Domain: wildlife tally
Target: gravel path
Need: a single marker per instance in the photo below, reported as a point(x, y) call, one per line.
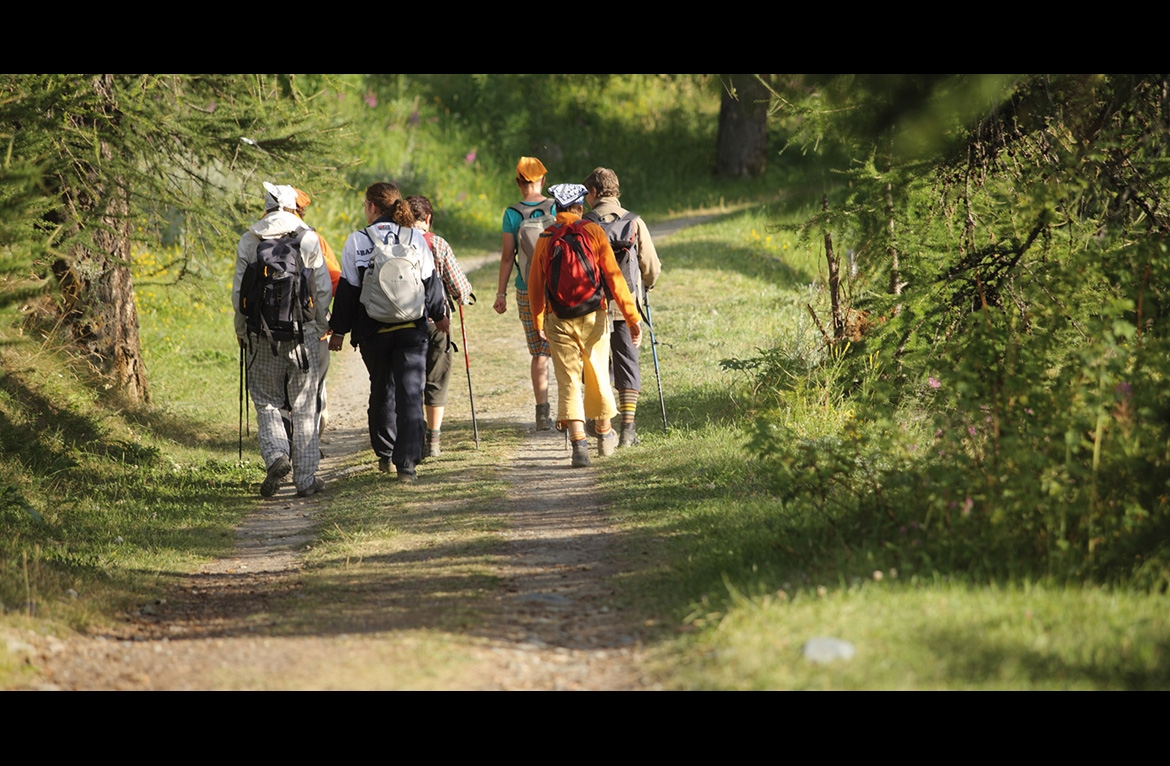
point(552, 625)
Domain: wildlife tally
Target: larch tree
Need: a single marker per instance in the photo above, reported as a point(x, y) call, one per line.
point(123, 158)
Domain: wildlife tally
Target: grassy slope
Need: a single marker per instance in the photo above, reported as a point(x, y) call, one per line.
point(734, 569)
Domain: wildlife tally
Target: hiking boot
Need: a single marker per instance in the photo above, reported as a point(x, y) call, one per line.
point(629, 437)
point(384, 465)
point(317, 485)
point(606, 443)
point(276, 473)
point(591, 428)
point(431, 446)
point(580, 454)
point(544, 421)
point(407, 476)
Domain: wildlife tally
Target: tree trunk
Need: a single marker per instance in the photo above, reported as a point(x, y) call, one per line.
point(96, 283)
point(834, 281)
point(742, 144)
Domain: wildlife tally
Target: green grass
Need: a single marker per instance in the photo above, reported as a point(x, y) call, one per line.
point(103, 506)
point(729, 566)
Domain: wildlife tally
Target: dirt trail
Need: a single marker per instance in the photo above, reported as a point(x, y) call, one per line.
point(552, 625)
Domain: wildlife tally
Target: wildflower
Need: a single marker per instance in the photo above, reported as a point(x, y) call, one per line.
point(470, 157)
point(968, 504)
point(413, 119)
point(371, 100)
point(971, 430)
point(1123, 390)
point(933, 382)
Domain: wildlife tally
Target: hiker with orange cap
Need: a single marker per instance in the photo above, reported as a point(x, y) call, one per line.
point(523, 223)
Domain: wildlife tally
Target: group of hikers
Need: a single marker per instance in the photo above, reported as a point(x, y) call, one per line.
point(579, 283)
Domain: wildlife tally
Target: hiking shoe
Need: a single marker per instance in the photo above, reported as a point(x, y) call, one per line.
point(606, 443)
point(431, 446)
point(580, 454)
point(591, 428)
point(384, 465)
point(317, 485)
point(544, 421)
point(407, 476)
point(276, 473)
point(628, 437)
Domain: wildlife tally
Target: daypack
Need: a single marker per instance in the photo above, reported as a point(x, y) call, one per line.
point(392, 286)
point(574, 285)
point(530, 230)
point(276, 292)
point(623, 238)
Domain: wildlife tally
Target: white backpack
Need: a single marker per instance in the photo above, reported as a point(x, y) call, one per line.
point(392, 287)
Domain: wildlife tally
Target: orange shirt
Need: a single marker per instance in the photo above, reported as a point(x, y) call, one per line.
point(609, 270)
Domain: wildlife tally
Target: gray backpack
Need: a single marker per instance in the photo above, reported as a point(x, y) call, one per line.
point(392, 287)
point(532, 224)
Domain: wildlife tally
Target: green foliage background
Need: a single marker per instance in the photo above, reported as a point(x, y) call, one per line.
point(1010, 396)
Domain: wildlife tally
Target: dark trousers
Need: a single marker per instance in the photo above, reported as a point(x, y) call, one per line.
point(627, 375)
point(397, 363)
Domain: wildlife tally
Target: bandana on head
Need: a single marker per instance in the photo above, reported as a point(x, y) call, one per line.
point(279, 196)
point(568, 194)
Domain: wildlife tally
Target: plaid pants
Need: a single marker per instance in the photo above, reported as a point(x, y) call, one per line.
point(276, 383)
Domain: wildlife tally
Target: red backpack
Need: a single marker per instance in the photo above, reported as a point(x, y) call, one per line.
point(573, 282)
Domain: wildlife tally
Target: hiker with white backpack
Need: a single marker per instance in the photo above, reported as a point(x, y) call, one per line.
point(440, 351)
point(281, 293)
point(387, 291)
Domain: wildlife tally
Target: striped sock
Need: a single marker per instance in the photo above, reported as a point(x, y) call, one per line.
point(628, 404)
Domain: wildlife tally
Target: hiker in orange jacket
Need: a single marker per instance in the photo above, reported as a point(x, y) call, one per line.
point(578, 336)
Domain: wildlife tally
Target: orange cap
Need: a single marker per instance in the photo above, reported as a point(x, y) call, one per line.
point(303, 199)
point(531, 169)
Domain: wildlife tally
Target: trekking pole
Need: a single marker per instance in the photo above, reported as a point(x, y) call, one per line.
point(467, 361)
point(654, 348)
point(241, 403)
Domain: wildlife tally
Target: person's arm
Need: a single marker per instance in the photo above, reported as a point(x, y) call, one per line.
point(612, 274)
point(509, 227)
point(648, 260)
point(507, 260)
point(456, 282)
point(436, 303)
point(536, 285)
point(346, 301)
point(321, 284)
point(244, 253)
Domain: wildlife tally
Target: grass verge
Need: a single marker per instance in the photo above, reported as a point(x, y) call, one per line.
point(740, 575)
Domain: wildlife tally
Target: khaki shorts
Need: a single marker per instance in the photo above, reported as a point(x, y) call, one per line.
point(536, 346)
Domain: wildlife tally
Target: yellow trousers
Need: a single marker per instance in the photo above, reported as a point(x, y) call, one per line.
point(580, 355)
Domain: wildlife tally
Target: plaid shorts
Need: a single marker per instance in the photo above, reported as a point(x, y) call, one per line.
point(536, 346)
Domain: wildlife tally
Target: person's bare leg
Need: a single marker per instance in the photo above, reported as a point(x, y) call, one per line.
point(540, 379)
